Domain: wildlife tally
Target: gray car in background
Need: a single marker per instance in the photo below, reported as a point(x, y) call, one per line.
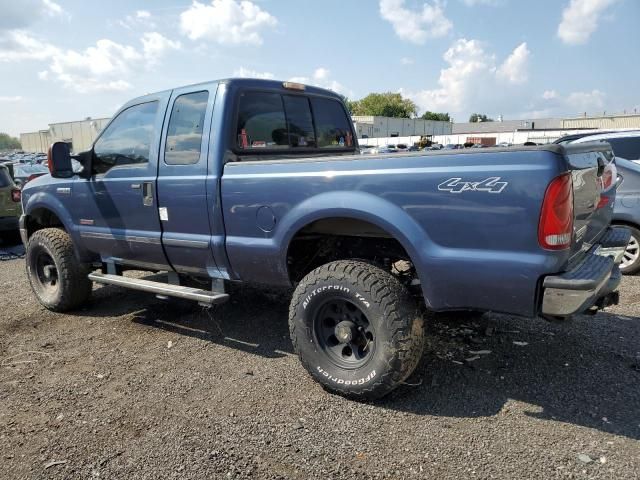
point(626, 211)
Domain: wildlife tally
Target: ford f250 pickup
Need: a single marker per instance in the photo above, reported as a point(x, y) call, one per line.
point(259, 181)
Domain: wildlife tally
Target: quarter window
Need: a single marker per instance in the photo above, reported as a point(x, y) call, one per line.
point(332, 125)
point(184, 136)
point(261, 121)
point(127, 140)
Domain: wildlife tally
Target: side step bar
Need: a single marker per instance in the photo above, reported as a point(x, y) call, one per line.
point(203, 297)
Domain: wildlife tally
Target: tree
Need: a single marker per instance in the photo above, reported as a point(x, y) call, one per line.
point(479, 117)
point(384, 104)
point(439, 117)
point(8, 142)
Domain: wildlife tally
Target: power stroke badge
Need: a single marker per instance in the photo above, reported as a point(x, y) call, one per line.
point(457, 185)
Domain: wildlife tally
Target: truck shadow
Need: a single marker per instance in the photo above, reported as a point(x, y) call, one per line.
point(585, 372)
point(253, 321)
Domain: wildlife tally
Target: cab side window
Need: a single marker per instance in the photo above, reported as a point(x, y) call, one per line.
point(184, 137)
point(127, 140)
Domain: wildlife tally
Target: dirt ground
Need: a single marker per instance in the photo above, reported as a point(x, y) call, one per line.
point(135, 387)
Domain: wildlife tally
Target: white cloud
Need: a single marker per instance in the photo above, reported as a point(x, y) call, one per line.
point(140, 19)
point(549, 94)
point(580, 19)
point(248, 73)
point(143, 14)
point(407, 61)
point(586, 101)
point(154, 46)
point(514, 69)
point(415, 26)
point(468, 64)
point(17, 45)
point(104, 66)
point(322, 78)
point(17, 98)
point(51, 8)
point(226, 22)
point(471, 81)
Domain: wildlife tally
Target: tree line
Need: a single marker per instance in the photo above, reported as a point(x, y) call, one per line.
point(7, 142)
point(391, 104)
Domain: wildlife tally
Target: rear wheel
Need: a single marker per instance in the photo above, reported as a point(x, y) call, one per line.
point(356, 329)
point(59, 281)
point(630, 263)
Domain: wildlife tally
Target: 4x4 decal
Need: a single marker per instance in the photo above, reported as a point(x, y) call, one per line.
point(457, 185)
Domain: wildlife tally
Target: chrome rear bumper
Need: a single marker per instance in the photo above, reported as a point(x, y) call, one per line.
point(590, 284)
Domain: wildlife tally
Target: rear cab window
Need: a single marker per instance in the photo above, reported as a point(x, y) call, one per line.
point(270, 122)
point(626, 147)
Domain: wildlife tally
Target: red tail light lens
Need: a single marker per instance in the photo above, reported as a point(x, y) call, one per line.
point(16, 195)
point(555, 230)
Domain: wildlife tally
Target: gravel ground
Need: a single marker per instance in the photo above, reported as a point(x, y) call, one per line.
point(134, 387)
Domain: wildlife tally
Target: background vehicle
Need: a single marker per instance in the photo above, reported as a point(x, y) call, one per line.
point(10, 208)
point(626, 212)
point(258, 181)
point(24, 173)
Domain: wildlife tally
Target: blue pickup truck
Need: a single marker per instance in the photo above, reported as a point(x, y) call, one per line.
point(260, 181)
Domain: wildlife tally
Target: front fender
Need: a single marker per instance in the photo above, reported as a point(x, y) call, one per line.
point(47, 201)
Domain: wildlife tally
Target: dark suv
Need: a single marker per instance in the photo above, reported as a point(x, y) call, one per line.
point(10, 208)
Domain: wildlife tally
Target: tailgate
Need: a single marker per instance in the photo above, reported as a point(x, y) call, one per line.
point(594, 187)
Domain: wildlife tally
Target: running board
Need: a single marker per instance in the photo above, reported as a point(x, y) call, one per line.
point(160, 288)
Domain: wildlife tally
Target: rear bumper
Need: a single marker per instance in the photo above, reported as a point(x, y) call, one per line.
point(590, 284)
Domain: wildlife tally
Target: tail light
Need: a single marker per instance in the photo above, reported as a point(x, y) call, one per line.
point(555, 229)
point(16, 195)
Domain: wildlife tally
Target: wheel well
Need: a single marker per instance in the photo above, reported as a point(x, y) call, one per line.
point(341, 238)
point(41, 218)
point(624, 223)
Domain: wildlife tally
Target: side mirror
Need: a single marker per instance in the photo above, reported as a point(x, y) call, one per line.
point(59, 160)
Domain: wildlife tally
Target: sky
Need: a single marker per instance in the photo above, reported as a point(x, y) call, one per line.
point(64, 60)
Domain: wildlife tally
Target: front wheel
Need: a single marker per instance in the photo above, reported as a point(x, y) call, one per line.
point(356, 329)
point(630, 263)
point(59, 281)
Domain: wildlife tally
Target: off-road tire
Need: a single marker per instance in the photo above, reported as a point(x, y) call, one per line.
point(399, 339)
point(73, 285)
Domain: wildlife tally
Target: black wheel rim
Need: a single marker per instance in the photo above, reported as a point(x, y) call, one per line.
point(46, 273)
point(344, 333)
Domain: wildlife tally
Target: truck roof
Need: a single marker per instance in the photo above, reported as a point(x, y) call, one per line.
point(251, 83)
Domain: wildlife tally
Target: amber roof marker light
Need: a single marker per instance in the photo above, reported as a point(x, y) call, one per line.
point(293, 85)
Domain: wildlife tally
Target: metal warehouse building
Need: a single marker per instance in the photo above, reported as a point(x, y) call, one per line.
point(80, 135)
point(374, 127)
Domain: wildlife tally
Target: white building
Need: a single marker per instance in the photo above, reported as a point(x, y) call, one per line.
point(374, 127)
point(80, 135)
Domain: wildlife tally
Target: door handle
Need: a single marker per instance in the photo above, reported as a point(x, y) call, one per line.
point(147, 194)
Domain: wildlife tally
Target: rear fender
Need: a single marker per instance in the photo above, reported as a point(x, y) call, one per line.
point(46, 201)
point(360, 206)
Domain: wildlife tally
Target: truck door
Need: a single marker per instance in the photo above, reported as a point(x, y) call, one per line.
point(184, 202)
point(119, 207)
